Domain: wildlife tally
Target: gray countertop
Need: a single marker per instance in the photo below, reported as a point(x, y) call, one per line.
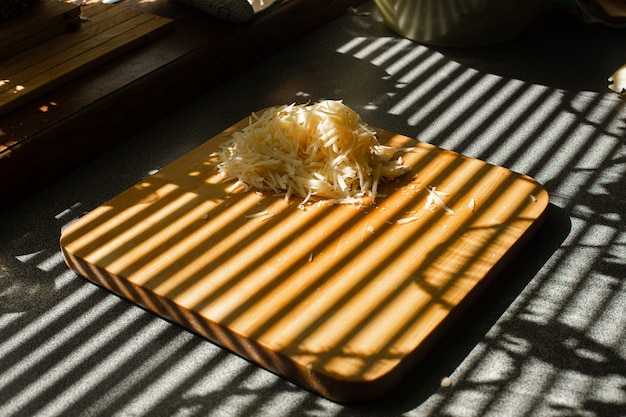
point(548, 338)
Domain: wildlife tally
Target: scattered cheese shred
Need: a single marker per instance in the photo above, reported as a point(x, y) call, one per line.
point(406, 220)
point(322, 150)
point(258, 214)
point(434, 198)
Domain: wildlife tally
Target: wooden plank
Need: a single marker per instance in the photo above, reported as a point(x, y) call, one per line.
point(115, 30)
point(102, 19)
point(43, 20)
point(341, 300)
point(90, 52)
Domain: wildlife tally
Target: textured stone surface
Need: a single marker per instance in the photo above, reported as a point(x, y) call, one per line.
point(547, 339)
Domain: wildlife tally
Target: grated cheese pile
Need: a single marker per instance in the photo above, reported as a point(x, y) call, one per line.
point(322, 149)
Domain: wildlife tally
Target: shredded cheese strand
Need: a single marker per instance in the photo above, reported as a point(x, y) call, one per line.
point(323, 150)
point(435, 199)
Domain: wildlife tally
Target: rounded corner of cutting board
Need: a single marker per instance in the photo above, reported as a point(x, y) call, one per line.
point(66, 233)
point(65, 239)
point(541, 198)
point(351, 391)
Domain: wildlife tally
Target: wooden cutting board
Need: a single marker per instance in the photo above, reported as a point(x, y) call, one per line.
point(339, 299)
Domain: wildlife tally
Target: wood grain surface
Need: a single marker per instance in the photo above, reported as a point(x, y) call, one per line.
point(342, 300)
point(43, 20)
point(110, 31)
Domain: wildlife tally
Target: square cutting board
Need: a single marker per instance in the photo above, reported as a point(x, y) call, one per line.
point(339, 299)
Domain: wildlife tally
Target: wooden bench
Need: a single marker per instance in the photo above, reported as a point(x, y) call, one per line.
point(47, 136)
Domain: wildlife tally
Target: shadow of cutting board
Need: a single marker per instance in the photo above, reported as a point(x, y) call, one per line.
point(339, 299)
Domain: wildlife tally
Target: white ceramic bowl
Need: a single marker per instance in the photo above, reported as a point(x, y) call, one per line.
point(458, 22)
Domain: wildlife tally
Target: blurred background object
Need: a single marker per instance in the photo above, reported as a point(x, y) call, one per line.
point(609, 12)
point(463, 23)
point(458, 22)
point(239, 11)
point(617, 81)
